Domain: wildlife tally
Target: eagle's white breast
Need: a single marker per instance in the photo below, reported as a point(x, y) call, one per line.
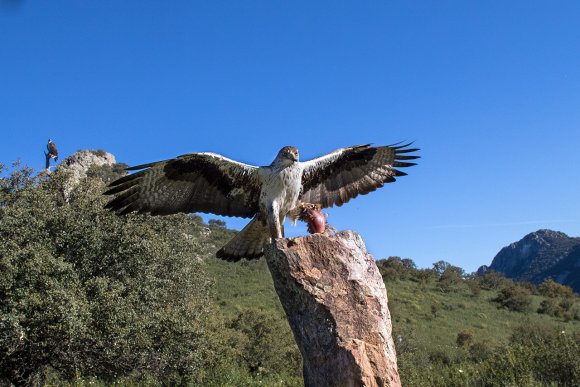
point(281, 189)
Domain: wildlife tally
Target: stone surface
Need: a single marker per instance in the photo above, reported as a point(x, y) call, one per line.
point(78, 164)
point(336, 303)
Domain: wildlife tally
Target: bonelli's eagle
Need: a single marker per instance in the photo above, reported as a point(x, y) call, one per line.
point(211, 183)
point(52, 152)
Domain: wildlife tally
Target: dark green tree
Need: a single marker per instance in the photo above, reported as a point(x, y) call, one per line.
point(550, 288)
point(83, 291)
point(269, 346)
point(514, 297)
point(448, 276)
point(494, 280)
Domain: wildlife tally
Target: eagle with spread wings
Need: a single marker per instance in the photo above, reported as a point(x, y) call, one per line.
point(211, 183)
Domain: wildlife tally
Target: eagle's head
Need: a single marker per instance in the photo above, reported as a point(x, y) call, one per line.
point(287, 155)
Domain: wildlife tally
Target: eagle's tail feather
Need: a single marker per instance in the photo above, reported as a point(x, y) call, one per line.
point(248, 243)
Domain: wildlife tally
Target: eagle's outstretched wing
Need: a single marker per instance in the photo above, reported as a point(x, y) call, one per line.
point(337, 177)
point(195, 182)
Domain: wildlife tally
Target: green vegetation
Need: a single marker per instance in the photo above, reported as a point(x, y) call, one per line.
point(514, 297)
point(447, 327)
point(84, 292)
point(462, 337)
point(89, 297)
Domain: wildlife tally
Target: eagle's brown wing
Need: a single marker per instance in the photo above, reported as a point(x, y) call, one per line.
point(339, 176)
point(196, 182)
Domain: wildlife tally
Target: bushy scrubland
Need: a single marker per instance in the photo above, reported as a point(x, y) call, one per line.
point(89, 297)
point(457, 329)
point(85, 294)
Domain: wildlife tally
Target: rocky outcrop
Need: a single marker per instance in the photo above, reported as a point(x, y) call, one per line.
point(80, 162)
point(538, 255)
point(336, 303)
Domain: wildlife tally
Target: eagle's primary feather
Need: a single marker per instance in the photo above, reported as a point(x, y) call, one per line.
point(196, 182)
point(339, 176)
point(211, 183)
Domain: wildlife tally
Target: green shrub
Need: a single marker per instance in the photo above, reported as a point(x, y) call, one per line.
point(440, 357)
point(550, 307)
point(474, 285)
point(552, 353)
point(268, 346)
point(479, 352)
point(435, 310)
point(514, 298)
point(464, 338)
point(423, 277)
point(107, 173)
point(550, 288)
point(509, 366)
point(84, 291)
point(395, 268)
point(567, 303)
point(390, 274)
point(392, 268)
point(493, 280)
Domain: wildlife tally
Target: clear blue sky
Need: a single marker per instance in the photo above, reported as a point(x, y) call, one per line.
point(489, 90)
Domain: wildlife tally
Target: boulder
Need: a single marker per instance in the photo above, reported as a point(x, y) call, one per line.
point(336, 303)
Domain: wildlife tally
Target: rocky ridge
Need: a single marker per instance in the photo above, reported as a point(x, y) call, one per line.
point(538, 255)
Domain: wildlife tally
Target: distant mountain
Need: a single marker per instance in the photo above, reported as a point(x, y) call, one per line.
point(538, 255)
point(567, 270)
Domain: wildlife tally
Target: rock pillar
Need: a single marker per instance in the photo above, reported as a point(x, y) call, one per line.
point(336, 303)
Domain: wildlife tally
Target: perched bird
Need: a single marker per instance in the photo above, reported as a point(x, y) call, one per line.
point(211, 183)
point(52, 151)
point(51, 154)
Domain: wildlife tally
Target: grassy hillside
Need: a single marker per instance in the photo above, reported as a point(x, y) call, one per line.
point(427, 321)
point(413, 308)
point(435, 316)
point(242, 285)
